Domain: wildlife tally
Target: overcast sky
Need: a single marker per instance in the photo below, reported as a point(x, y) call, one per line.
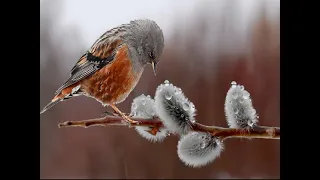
point(93, 17)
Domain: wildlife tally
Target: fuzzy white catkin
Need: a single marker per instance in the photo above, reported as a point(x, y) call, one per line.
point(144, 107)
point(238, 108)
point(197, 149)
point(174, 109)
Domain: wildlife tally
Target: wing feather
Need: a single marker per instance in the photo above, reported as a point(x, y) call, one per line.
point(100, 54)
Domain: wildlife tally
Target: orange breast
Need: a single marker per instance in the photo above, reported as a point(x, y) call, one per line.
point(114, 82)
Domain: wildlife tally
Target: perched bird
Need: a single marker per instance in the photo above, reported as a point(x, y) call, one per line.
point(112, 67)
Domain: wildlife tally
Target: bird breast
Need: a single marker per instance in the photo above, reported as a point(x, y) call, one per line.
point(114, 82)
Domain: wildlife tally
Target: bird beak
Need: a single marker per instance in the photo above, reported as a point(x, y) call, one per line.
point(154, 67)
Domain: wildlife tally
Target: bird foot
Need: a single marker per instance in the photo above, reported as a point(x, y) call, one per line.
point(129, 121)
point(126, 117)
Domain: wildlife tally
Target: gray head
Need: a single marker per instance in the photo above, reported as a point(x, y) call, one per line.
point(146, 42)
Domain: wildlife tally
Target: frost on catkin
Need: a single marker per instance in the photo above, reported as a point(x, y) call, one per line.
point(196, 149)
point(238, 108)
point(174, 109)
point(144, 107)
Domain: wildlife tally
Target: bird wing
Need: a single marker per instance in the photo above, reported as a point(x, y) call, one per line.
point(99, 55)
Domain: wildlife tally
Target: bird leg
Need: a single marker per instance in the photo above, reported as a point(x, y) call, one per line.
point(123, 115)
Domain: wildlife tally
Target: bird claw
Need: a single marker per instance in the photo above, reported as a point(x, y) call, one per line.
point(115, 113)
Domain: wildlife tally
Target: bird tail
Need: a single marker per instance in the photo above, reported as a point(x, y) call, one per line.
point(65, 94)
point(54, 102)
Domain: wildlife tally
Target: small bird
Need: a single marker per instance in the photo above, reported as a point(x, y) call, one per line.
point(112, 67)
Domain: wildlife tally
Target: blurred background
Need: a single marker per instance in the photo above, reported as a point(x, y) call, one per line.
point(208, 44)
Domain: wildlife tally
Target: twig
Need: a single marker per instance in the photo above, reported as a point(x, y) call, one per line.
point(261, 132)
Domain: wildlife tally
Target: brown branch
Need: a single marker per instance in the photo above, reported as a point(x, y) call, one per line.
point(262, 132)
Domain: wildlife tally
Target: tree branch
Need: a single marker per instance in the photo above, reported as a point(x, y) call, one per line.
point(261, 132)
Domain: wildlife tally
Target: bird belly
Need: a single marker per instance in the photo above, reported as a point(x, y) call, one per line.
point(113, 83)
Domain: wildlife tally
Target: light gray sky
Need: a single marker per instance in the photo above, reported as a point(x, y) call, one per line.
point(96, 16)
point(93, 17)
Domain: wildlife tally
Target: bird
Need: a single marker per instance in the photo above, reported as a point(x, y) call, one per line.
point(111, 68)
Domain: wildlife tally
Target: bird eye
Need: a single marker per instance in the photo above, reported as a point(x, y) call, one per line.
point(151, 55)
